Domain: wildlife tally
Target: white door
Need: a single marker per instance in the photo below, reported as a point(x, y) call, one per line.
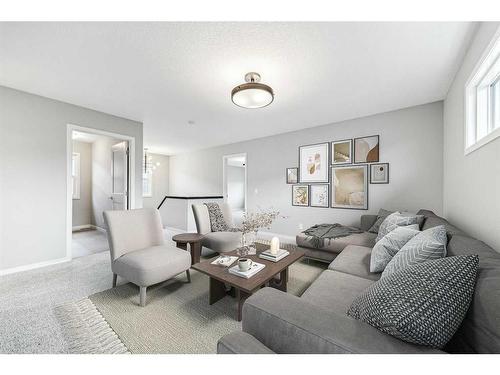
point(119, 190)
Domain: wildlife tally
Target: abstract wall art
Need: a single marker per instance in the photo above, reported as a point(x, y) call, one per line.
point(341, 152)
point(319, 195)
point(313, 163)
point(379, 173)
point(350, 187)
point(300, 195)
point(366, 149)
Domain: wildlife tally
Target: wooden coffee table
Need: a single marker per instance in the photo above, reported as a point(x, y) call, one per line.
point(243, 288)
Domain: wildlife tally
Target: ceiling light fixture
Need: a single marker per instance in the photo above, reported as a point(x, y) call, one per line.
point(252, 94)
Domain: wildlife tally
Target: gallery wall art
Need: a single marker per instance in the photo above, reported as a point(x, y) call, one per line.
point(300, 195)
point(292, 175)
point(337, 174)
point(379, 173)
point(319, 195)
point(366, 149)
point(313, 163)
point(341, 152)
point(350, 187)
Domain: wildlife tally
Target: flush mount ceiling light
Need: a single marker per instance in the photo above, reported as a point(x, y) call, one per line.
point(252, 94)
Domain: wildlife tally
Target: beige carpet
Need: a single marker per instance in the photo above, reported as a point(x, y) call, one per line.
point(177, 317)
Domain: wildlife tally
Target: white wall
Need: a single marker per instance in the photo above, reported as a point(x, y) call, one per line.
point(235, 187)
point(410, 140)
point(33, 180)
point(471, 182)
point(82, 208)
point(160, 181)
point(102, 177)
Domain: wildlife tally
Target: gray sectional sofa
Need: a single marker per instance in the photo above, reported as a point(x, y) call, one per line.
point(316, 322)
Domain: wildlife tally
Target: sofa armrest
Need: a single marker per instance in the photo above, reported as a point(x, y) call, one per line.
point(287, 324)
point(367, 221)
point(241, 343)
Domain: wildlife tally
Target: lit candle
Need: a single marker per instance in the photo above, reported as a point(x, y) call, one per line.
point(275, 245)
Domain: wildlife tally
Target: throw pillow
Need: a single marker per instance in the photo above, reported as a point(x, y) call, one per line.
point(397, 219)
point(217, 221)
point(422, 304)
point(427, 245)
point(389, 245)
point(382, 214)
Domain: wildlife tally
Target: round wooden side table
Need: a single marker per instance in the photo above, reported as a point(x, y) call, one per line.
point(194, 241)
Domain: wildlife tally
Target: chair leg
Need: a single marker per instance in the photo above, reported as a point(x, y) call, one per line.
point(188, 274)
point(114, 279)
point(142, 295)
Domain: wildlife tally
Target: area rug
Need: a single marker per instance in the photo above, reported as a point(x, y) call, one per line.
point(176, 319)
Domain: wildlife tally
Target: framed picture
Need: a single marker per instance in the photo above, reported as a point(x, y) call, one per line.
point(320, 195)
point(313, 163)
point(379, 173)
point(300, 195)
point(341, 152)
point(350, 187)
point(366, 149)
point(292, 175)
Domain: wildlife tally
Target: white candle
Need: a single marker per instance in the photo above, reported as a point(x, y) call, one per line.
point(275, 245)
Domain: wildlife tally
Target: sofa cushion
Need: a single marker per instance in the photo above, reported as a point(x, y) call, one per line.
point(337, 245)
point(397, 219)
point(152, 265)
point(422, 304)
point(335, 291)
point(385, 249)
point(222, 242)
point(382, 214)
point(427, 245)
point(355, 260)
point(480, 331)
point(432, 220)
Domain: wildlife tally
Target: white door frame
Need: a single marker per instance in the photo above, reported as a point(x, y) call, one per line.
point(224, 175)
point(69, 195)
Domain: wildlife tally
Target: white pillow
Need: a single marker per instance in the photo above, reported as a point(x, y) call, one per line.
point(389, 245)
point(397, 219)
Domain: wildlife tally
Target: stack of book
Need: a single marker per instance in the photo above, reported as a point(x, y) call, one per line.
point(267, 255)
point(256, 267)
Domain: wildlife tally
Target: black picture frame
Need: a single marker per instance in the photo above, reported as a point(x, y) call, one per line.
point(354, 150)
point(327, 191)
point(332, 154)
point(327, 164)
point(371, 174)
point(308, 195)
point(332, 186)
point(286, 176)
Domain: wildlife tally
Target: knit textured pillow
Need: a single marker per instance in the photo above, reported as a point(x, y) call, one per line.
point(422, 304)
point(427, 245)
point(385, 249)
point(397, 219)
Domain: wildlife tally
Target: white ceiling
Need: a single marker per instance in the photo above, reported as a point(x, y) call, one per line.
point(166, 74)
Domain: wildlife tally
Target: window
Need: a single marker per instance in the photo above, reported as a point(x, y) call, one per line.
point(482, 99)
point(75, 175)
point(147, 183)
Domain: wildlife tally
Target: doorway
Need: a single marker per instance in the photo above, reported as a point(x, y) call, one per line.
point(235, 184)
point(99, 178)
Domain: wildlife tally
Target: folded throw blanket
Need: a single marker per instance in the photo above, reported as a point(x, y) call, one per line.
point(317, 234)
point(217, 221)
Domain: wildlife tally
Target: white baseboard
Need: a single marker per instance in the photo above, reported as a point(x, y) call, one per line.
point(98, 228)
point(32, 266)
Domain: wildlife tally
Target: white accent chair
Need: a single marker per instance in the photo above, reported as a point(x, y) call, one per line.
point(138, 250)
point(220, 242)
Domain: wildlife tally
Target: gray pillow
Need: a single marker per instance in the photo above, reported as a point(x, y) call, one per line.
point(382, 214)
point(427, 245)
point(397, 219)
point(389, 245)
point(422, 304)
